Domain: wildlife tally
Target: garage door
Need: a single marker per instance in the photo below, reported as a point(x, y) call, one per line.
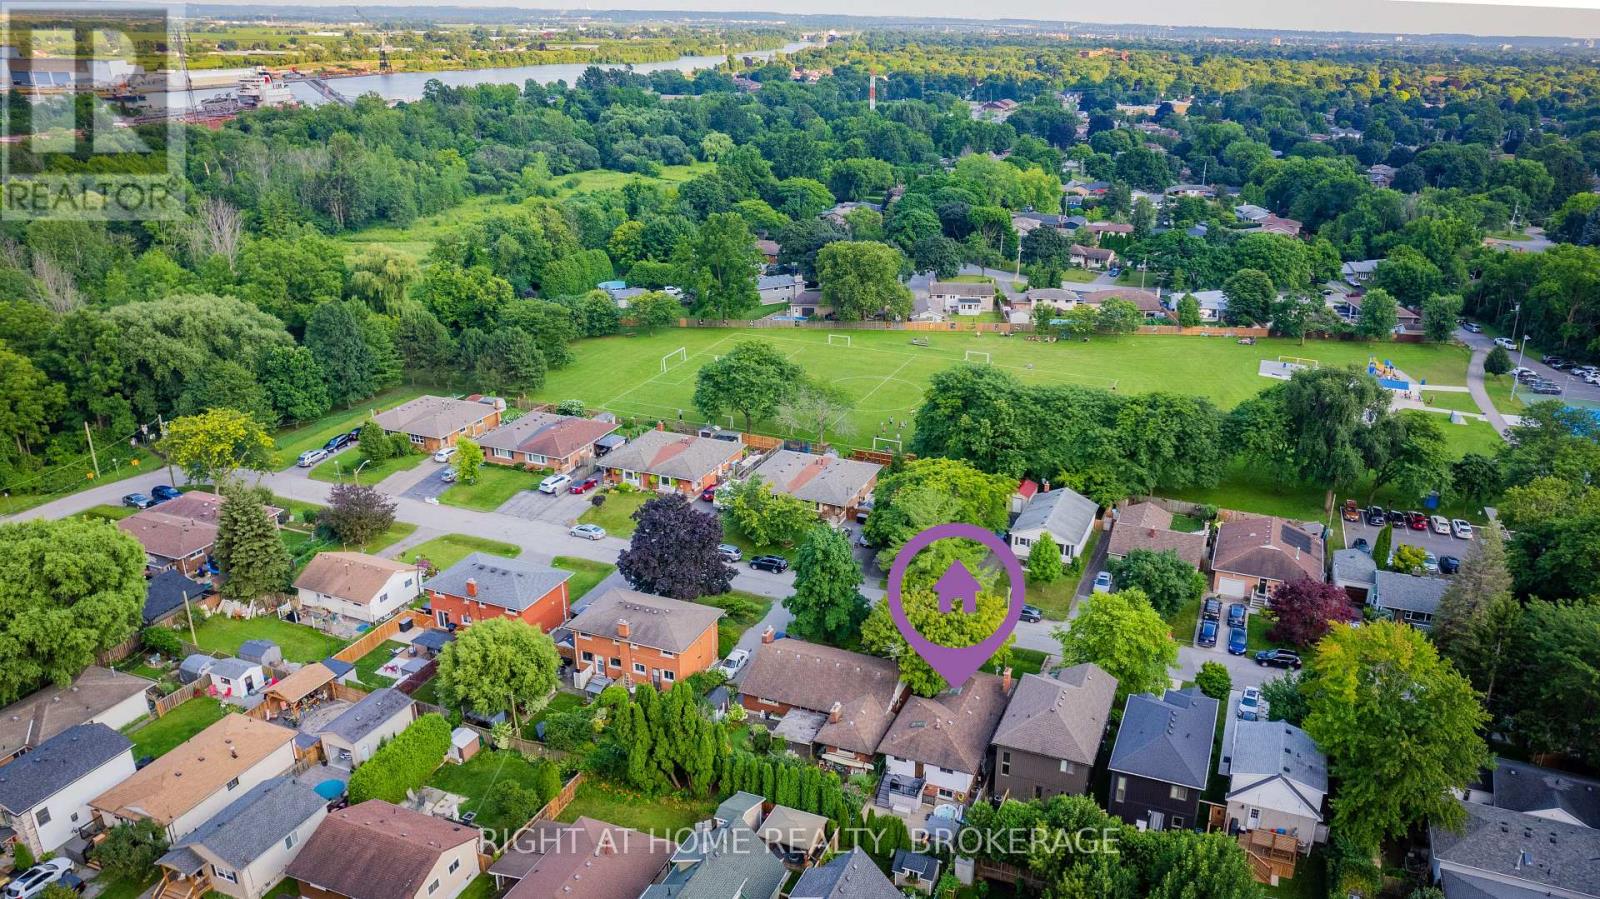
point(1233, 587)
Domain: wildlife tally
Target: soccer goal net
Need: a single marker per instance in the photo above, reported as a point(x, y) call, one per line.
point(843, 339)
point(681, 354)
point(977, 356)
point(886, 445)
point(1299, 361)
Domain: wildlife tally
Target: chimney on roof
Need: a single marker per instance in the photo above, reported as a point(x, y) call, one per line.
point(835, 712)
point(472, 586)
point(622, 627)
point(768, 635)
point(1005, 680)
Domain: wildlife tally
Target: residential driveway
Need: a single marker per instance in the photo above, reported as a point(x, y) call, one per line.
point(562, 508)
point(432, 484)
point(1438, 544)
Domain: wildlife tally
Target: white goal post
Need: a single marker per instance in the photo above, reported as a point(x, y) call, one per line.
point(889, 444)
point(842, 338)
point(1299, 361)
point(976, 356)
point(681, 354)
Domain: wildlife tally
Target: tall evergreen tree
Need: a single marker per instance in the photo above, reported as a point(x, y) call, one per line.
point(253, 559)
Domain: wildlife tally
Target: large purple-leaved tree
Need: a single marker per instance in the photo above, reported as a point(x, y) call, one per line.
point(1307, 609)
point(674, 551)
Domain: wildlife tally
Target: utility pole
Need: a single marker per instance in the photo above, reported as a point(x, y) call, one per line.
point(92, 457)
point(187, 613)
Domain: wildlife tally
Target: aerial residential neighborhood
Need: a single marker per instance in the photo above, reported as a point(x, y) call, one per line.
point(516, 453)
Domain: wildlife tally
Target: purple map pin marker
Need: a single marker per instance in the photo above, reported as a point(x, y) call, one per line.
point(955, 663)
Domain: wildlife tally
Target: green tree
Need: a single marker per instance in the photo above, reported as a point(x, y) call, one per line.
point(1554, 691)
point(404, 764)
point(1475, 478)
point(468, 461)
point(861, 279)
point(129, 851)
point(1416, 458)
point(1498, 362)
point(1381, 546)
point(249, 551)
point(1167, 581)
point(665, 739)
point(496, 665)
point(1330, 414)
point(1189, 311)
point(1118, 316)
point(1044, 561)
point(1250, 294)
point(1214, 680)
point(338, 337)
point(931, 491)
point(1400, 726)
point(1121, 633)
point(213, 445)
point(827, 604)
point(719, 264)
point(374, 443)
point(1380, 315)
point(74, 589)
point(879, 634)
point(356, 514)
point(754, 377)
point(293, 383)
point(381, 277)
point(815, 407)
point(766, 516)
point(1439, 314)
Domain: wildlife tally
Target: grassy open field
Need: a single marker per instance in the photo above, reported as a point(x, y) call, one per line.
point(886, 375)
point(662, 816)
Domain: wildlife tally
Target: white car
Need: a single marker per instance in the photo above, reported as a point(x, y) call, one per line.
point(587, 531)
point(1441, 524)
point(33, 881)
point(1505, 343)
point(553, 484)
point(734, 661)
point(445, 454)
point(1250, 704)
point(1462, 529)
point(311, 457)
point(1521, 371)
point(1430, 563)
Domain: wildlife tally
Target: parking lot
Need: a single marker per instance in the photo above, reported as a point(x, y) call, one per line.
point(1440, 545)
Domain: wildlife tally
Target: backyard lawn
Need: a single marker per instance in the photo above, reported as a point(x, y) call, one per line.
point(586, 573)
point(442, 552)
point(220, 633)
point(291, 443)
point(496, 484)
point(744, 610)
point(662, 816)
point(367, 666)
point(340, 467)
point(476, 780)
point(162, 735)
point(616, 514)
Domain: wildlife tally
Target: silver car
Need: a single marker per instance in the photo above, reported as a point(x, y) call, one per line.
point(588, 531)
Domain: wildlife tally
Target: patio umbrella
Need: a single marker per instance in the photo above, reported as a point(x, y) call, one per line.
point(330, 789)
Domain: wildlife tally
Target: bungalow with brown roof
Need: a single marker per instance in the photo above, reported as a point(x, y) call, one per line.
point(184, 788)
point(356, 586)
point(179, 533)
point(836, 487)
point(561, 443)
point(587, 859)
point(637, 638)
point(1046, 743)
point(937, 746)
point(1148, 302)
point(664, 461)
point(376, 850)
point(1091, 257)
point(842, 702)
point(432, 422)
point(1101, 229)
point(1254, 554)
point(1148, 526)
point(960, 297)
point(1276, 224)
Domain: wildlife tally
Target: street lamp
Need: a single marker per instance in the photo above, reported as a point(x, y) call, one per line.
point(355, 476)
point(1522, 347)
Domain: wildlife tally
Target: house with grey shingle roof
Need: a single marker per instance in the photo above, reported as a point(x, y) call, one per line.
point(245, 848)
point(721, 860)
point(1354, 572)
point(1499, 853)
point(97, 695)
point(355, 735)
point(938, 746)
point(1544, 793)
point(836, 487)
point(664, 461)
point(1051, 732)
point(1065, 515)
point(849, 875)
point(1277, 779)
point(915, 870)
point(1162, 758)
point(1408, 597)
point(45, 793)
point(484, 586)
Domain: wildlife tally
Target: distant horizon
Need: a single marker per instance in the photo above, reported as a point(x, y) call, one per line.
point(1575, 20)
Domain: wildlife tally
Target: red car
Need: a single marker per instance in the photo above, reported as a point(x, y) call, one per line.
point(585, 485)
point(1417, 521)
point(710, 493)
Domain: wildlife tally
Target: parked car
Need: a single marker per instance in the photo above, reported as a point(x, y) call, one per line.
point(1362, 545)
point(1250, 704)
point(72, 882)
point(338, 442)
point(553, 484)
point(730, 552)
point(1441, 524)
point(1430, 562)
point(1352, 512)
point(1546, 389)
point(163, 492)
point(735, 660)
point(587, 531)
point(1032, 614)
point(1237, 641)
point(1102, 582)
point(1461, 528)
point(774, 564)
point(1397, 518)
point(311, 457)
point(33, 881)
point(1553, 361)
point(1417, 521)
point(1278, 658)
point(585, 485)
point(1237, 613)
point(1208, 633)
point(1376, 516)
point(1212, 609)
point(710, 493)
point(1472, 328)
point(1449, 564)
point(445, 454)
point(1505, 343)
point(448, 475)
point(137, 501)
point(1521, 372)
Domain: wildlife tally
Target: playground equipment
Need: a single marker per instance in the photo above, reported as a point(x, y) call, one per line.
point(1386, 370)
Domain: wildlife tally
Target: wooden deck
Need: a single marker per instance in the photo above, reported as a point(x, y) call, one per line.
point(1272, 855)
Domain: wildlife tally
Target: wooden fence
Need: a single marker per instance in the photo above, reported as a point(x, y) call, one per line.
point(379, 635)
point(526, 747)
point(422, 675)
point(556, 806)
point(182, 695)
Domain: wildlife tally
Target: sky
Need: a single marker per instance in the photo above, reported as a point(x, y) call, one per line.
point(1548, 18)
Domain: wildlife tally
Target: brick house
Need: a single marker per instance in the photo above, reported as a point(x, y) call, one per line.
point(839, 703)
point(644, 639)
point(179, 533)
point(433, 422)
point(483, 586)
point(561, 443)
point(835, 487)
point(664, 461)
point(1254, 554)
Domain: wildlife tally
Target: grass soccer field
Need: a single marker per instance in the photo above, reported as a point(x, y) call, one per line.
point(886, 374)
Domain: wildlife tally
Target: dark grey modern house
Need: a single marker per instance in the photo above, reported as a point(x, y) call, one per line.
point(1046, 743)
point(1162, 759)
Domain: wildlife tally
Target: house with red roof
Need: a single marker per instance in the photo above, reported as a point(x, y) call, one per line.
point(560, 443)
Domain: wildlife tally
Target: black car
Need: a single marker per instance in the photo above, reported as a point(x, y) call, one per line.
point(1376, 516)
point(1237, 614)
point(1208, 633)
point(339, 442)
point(1278, 658)
point(1397, 518)
point(1553, 361)
point(1361, 544)
point(137, 501)
point(1547, 389)
point(774, 564)
point(162, 492)
point(1212, 610)
point(1449, 564)
point(1032, 614)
